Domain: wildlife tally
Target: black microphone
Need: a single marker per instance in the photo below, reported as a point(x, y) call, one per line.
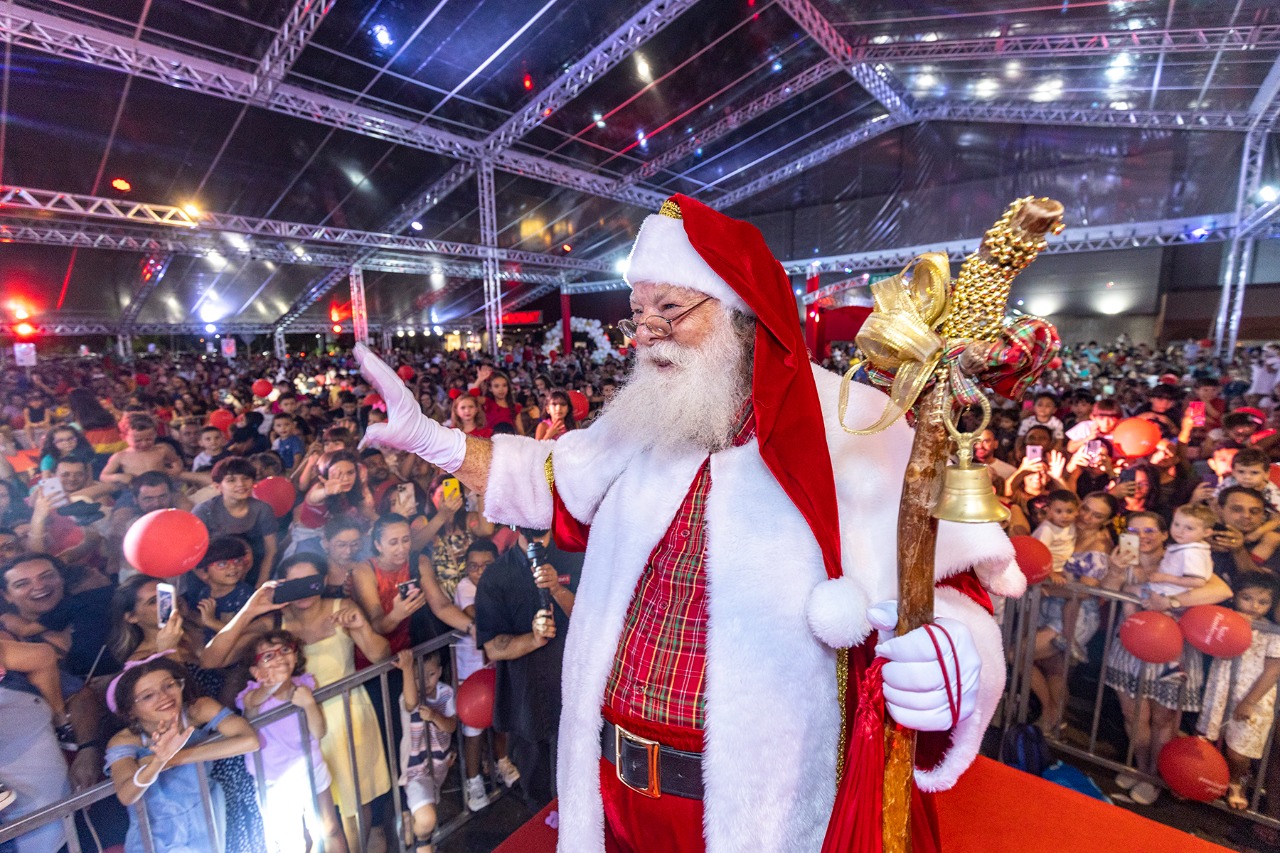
point(537, 556)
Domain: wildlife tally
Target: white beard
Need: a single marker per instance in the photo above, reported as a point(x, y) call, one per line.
point(695, 401)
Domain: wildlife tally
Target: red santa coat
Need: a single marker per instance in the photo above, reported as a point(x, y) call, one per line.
point(773, 719)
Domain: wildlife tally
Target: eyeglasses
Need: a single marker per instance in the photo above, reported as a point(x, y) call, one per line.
point(152, 696)
point(269, 655)
point(658, 326)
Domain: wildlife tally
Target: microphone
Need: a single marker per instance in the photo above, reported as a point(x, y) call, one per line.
point(537, 556)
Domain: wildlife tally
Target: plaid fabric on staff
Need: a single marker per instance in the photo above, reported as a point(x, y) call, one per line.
point(659, 671)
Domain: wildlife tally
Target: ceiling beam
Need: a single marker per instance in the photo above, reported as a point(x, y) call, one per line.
point(77, 205)
point(873, 76)
point(97, 234)
point(294, 35)
point(1026, 114)
point(1093, 238)
point(1051, 45)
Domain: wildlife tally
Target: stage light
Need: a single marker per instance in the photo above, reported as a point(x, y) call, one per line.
point(567, 248)
point(412, 333)
point(122, 185)
point(25, 330)
point(622, 265)
point(415, 225)
point(210, 328)
point(191, 210)
point(337, 328)
point(333, 314)
point(598, 119)
point(399, 333)
point(528, 83)
point(382, 35)
point(1268, 194)
point(1199, 233)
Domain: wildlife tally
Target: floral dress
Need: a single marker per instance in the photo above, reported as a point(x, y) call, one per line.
point(1228, 681)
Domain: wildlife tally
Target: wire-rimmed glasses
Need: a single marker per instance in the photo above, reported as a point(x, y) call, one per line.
point(659, 327)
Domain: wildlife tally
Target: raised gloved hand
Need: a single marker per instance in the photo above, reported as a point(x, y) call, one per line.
point(407, 428)
point(919, 673)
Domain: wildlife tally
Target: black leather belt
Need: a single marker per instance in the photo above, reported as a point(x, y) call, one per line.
point(650, 768)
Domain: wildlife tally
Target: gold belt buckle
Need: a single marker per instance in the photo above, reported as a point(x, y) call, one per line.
point(654, 789)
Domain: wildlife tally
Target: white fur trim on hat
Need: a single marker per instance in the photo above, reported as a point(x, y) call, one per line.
point(663, 254)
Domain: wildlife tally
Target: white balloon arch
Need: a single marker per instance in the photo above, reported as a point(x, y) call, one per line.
point(594, 331)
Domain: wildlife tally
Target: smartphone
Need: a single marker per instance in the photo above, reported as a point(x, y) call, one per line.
point(407, 588)
point(450, 488)
point(54, 492)
point(164, 603)
point(1128, 475)
point(1035, 453)
point(406, 493)
point(1128, 551)
point(1196, 409)
point(1093, 449)
point(298, 588)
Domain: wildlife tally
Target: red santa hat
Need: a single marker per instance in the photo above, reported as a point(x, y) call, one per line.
point(690, 245)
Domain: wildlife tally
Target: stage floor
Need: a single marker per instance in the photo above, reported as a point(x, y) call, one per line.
point(995, 808)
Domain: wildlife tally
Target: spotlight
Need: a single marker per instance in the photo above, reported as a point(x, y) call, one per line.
point(122, 185)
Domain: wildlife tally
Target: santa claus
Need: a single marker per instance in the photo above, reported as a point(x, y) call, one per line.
point(736, 536)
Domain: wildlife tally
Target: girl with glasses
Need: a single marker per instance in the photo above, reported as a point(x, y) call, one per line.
point(154, 759)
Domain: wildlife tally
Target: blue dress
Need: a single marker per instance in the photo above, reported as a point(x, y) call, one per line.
point(174, 810)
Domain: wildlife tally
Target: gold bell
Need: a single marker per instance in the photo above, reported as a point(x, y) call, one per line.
point(968, 495)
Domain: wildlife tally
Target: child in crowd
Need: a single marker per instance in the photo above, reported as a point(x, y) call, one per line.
point(1188, 562)
point(213, 444)
point(480, 554)
point(142, 454)
point(1044, 412)
point(1240, 693)
point(428, 719)
point(39, 663)
point(1251, 468)
point(287, 442)
point(1058, 531)
point(278, 667)
point(218, 590)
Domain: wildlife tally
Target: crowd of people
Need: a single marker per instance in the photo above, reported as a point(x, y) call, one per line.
point(129, 676)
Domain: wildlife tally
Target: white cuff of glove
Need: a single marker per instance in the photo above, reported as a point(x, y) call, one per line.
point(407, 428)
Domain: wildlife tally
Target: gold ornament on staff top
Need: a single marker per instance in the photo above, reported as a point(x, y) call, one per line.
point(981, 293)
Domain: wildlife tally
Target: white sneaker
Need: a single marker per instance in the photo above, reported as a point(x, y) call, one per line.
point(7, 796)
point(1144, 793)
point(508, 772)
point(477, 797)
point(1125, 782)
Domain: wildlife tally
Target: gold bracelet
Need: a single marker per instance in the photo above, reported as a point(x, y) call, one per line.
point(549, 471)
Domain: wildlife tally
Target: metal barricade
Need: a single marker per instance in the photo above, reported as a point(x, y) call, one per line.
point(1021, 623)
point(67, 810)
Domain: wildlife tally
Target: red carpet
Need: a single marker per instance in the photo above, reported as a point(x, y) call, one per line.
point(995, 808)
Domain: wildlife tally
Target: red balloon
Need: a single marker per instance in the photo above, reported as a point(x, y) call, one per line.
point(166, 543)
point(475, 698)
point(580, 405)
point(1055, 363)
point(278, 493)
point(474, 392)
point(405, 372)
point(1194, 769)
point(1205, 343)
point(261, 388)
point(1216, 631)
point(1033, 557)
point(1136, 436)
point(1152, 636)
point(222, 419)
point(622, 351)
point(371, 400)
point(509, 359)
point(142, 380)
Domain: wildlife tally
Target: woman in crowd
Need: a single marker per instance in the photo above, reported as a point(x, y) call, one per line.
point(155, 758)
point(64, 442)
point(451, 532)
point(1088, 565)
point(98, 425)
point(379, 585)
point(331, 630)
point(559, 418)
point(339, 491)
point(1152, 704)
point(37, 419)
point(342, 542)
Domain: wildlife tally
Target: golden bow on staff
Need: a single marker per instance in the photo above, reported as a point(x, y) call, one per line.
point(933, 346)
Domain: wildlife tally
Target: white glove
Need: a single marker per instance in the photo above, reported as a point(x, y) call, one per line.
point(406, 427)
point(915, 692)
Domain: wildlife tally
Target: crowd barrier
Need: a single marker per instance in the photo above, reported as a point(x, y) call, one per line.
point(74, 809)
point(1021, 622)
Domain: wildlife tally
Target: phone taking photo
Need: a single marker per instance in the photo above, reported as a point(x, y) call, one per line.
point(407, 588)
point(297, 589)
point(165, 594)
point(1093, 449)
point(450, 488)
point(1035, 453)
